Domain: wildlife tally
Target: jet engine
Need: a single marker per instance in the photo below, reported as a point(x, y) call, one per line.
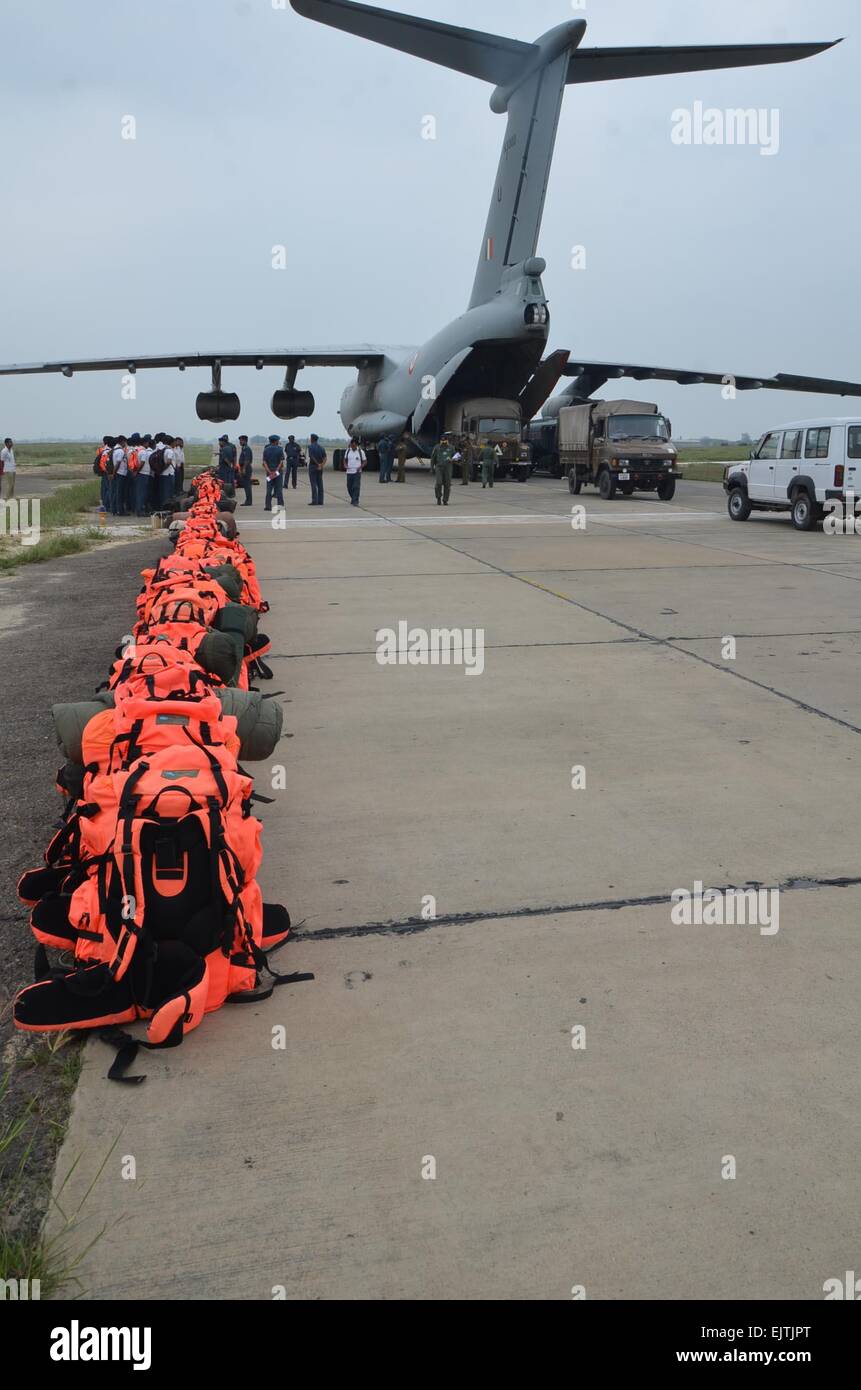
point(217, 406)
point(288, 404)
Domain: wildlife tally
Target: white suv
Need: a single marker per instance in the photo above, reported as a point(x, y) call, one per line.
point(797, 469)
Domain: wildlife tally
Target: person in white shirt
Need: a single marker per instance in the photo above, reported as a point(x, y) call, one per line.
point(120, 479)
point(354, 462)
point(168, 475)
point(7, 470)
point(179, 465)
point(143, 480)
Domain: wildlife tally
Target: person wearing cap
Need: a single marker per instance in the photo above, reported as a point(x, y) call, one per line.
point(246, 469)
point(402, 460)
point(386, 451)
point(317, 459)
point(143, 478)
point(120, 479)
point(166, 482)
point(102, 464)
point(226, 462)
point(442, 461)
point(294, 462)
point(273, 464)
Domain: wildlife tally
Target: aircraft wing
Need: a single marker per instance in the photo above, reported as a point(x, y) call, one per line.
point(592, 376)
point(605, 64)
point(362, 356)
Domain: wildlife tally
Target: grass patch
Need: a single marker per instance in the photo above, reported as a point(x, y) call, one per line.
point(703, 472)
point(52, 549)
point(54, 455)
point(715, 453)
point(38, 1128)
point(76, 455)
point(63, 509)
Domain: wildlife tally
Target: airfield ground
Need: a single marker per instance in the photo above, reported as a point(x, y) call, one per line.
point(301, 1168)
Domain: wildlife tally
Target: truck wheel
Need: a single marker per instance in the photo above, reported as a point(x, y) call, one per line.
point(607, 485)
point(575, 487)
point(523, 474)
point(738, 506)
point(804, 511)
point(626, 489)
point(667, 490)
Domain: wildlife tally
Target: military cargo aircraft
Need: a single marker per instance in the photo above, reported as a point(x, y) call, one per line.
point(485, 372)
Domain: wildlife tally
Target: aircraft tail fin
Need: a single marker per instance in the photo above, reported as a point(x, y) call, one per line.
point(530, 84)
point(490, 57)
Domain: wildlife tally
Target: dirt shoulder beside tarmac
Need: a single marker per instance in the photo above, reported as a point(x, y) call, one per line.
point(60, 623)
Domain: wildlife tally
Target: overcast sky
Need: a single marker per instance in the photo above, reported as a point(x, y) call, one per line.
point(256, 128)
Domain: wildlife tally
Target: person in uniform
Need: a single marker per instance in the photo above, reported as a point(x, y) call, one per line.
point(442, 462)
point(465, 451)
point(294, 461)
point(488, 465)
point(273, 464)
point(246, 469)
point(402, 460)
point(385, 449)
point(227, 463)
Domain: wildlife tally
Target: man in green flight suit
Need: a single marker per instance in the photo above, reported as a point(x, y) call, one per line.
point(488, 465)
point(442, 463)
point(464, 449)
point(401, 455)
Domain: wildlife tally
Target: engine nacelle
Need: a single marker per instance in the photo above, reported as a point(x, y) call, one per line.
point(217, 406)
point(292, 405)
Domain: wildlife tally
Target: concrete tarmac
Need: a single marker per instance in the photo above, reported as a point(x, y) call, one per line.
point(442, 1044)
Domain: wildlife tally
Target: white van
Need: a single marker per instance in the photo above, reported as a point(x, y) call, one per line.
point(797, 469)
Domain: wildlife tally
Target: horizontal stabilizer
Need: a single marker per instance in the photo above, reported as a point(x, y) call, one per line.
point(487, 56)
point(605, 64)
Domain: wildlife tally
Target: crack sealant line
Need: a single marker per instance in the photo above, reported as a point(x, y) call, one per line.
point(416, 926)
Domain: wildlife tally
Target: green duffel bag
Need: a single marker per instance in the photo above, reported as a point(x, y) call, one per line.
point(240, 619)
point(228, 578)
point(70, 722)
point(260, 722)
point(221, 654)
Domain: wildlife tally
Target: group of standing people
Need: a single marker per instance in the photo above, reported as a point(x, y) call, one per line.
point(281, 464)
point(139, 474)
point(389, 451)
point(450, 453)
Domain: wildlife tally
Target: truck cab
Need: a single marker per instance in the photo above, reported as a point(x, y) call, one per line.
point(486, 420)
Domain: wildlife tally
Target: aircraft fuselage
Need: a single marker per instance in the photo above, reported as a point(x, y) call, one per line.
point(490, 350)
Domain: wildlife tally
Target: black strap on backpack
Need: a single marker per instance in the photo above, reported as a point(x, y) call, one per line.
point(261, 962)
